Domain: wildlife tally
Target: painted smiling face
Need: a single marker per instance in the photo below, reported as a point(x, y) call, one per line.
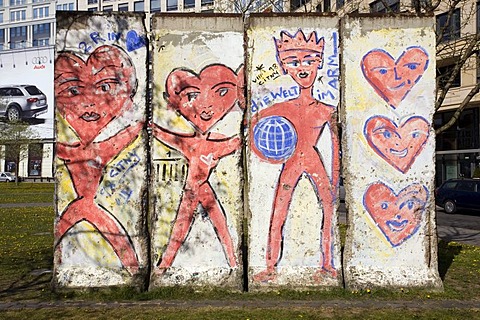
point(301, 65)
point(391, 79)
point(398, 216)
point(204, 98)
point(399, 145)
point(90, 94)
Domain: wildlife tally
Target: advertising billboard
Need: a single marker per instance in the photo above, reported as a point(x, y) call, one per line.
point(21, 71)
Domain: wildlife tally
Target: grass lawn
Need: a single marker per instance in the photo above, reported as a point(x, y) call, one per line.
point(26, 254)
point(25, 192)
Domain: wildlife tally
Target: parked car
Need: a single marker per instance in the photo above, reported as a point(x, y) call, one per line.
point(21, 102)
point(457, 194)
point(7, 177)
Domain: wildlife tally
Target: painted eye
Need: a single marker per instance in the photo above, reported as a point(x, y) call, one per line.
point(222, 91)
point(293, 64)
point(105, 87)
point(387, 134)
point(307, 62)
point(411, 66)
point(384, 205)
point(415, 134)
point(192, 96)
point(74, 91)
point(410, 205)
point(383, 71)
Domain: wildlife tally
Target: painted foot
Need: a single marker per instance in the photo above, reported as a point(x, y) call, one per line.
point(265, 276)
point(325, 273)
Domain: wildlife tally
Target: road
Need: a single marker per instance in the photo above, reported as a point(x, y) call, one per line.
point(461, 227)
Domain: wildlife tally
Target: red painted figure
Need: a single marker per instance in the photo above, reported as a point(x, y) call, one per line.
point(89, 95)
point(203, 99)
point(300, 58)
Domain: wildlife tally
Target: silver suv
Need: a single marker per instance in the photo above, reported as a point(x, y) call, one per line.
point(22, 102)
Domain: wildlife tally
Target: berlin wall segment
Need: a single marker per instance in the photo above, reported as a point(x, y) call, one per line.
point(202, 126)
point(388, 150)
point(100, 83)
point(293, 152)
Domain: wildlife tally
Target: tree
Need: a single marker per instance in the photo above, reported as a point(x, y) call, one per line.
point(458, 40)
point(14, 141)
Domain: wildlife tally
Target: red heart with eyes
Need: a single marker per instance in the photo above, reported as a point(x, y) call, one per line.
point(398, 145)
point(90, 94)
point(204, 98)
point(398, 216)
point(391, 79)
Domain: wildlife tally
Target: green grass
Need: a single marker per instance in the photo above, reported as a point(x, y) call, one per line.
point(26, 192)
point(26, 255)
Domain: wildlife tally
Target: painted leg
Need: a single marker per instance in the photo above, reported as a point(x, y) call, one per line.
point(180, 229)
point(217, 216)
point(283, 195)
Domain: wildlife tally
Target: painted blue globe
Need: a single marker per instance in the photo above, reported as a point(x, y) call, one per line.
point(275, 137)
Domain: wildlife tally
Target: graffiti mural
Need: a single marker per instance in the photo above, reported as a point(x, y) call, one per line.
point(100, 150)
point(390, 239)
point(287, 132)
point(203, 100)
point(196, 156)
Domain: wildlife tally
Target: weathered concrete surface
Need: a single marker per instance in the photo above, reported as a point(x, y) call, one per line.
point(388, 152)
point(100, 87)
point(293, 152)
point(197, 186)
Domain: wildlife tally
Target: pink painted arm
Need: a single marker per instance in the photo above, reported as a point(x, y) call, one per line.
point(173, 140)
point(111, 146)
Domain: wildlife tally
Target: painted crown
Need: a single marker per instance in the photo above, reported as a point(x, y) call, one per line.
point(299, 42)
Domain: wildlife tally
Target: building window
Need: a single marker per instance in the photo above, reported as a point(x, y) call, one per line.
point(172, 5)
point(450, 29)
point(107, 8)
point(478, 17)
point(123, 7)
point(18, 37)
point(40, 42)
point(155, 6)
point(2, 39)
point(462, 135)
point(41, 35)
point(1, 3)
point(327, 7)
point(93, 9)
point(444, 73)
point(295, 4)
point(339, 4)
point(188, 4)
point(18, 15)
point(17, 2)
point(35, 154)
point(92, 1)
point(40, 12)
point(379, 7)
point(1, 17)
point(206, 3)
point(138, 6)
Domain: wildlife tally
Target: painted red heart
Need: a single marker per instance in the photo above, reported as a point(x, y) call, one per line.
point(398, 216)
point(391, 79)
point(204, 98)
point(398, 145)
point(90, 94)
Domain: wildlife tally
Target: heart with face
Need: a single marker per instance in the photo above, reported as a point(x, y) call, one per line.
point(399, 145)
point(398, 216)
point(90, 94)
point(391, 79)
point(205, 98)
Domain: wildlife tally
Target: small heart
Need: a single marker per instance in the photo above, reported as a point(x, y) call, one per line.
point(398, 145)
point(207, 159)
point(134, 41)
point(398, 216)
point(393, 80)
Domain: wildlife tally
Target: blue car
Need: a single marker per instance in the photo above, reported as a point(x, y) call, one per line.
point(457, 194)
